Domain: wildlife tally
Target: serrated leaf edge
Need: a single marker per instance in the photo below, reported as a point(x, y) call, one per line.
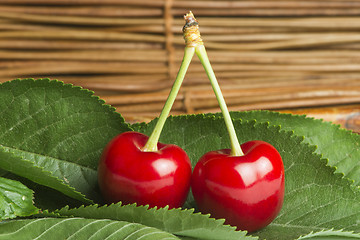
point(73, 86)
point(190, 211)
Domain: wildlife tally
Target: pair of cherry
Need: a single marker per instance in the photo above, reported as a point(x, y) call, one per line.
point(246, 190)
point(244, 184)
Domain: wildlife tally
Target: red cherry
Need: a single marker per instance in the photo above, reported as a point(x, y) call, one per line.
point(128, 174)
point(246, 190)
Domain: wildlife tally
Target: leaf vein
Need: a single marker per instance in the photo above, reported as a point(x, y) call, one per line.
point(313, 210)
point(337, 219)
point(120, 229)
point(86, 226)
point(104, 227)
point(137, 231)
point(29, 116)
point(46, 156)
point(55, 225)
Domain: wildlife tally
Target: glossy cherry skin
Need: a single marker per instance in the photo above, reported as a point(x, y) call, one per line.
point(128, 174)
point(246, 190)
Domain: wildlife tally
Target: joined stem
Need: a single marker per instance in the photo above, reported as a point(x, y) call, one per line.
point(151, 144)
point(194, 44)
point(193, 38)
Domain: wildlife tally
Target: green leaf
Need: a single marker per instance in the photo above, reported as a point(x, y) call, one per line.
point(315, 197)
point(341, 147)
point(44, 197)
point(18, 165)
point(78, 229)
point(331, 235)
point(183, 223)
point(53, 134)
point(15, 199)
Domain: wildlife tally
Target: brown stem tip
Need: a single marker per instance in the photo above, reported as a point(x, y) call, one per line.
point(191, 31)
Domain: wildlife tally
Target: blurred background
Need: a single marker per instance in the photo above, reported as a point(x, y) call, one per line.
point(297, 56)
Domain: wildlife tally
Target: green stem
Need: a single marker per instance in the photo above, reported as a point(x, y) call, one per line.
point(235, 146)
point(151, 144)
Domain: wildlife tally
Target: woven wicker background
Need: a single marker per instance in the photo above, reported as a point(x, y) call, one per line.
point(268, 54)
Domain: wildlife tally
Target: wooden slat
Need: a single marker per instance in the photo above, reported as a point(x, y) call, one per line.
point(266, 54)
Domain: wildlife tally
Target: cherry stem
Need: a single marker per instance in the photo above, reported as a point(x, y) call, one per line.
point(235, 146)
point(192, 38)
point(151, 144)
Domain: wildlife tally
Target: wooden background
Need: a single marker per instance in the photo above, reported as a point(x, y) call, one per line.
point(296, 56)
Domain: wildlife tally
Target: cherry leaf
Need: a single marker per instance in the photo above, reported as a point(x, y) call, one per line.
point(53, 134)
point(182, 223)
point(16, 200)
point(79, 229)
